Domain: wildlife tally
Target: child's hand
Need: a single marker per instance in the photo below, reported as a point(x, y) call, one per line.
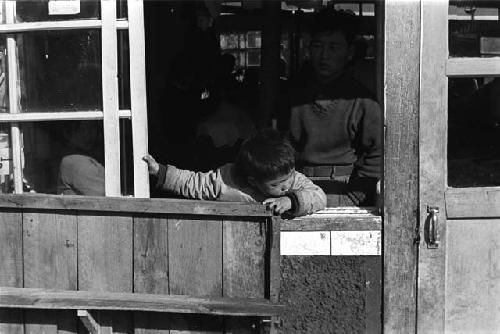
point(153, 166)
point(279, 205)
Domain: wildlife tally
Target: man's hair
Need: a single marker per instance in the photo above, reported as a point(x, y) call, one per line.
point(330, 19)
point(266, 155)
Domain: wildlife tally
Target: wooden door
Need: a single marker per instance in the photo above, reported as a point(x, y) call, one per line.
point(459, 252)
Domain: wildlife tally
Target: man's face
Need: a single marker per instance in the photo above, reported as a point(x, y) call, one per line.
point(330, 53)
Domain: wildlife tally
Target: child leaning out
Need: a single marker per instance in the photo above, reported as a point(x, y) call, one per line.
point(264, 171)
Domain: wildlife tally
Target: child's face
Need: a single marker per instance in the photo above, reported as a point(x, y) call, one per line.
point(275, 187)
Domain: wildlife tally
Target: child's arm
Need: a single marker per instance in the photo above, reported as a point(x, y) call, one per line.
point(306, 197)
point(186, 183)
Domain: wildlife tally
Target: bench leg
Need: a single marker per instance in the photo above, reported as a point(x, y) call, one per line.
point(89, 321)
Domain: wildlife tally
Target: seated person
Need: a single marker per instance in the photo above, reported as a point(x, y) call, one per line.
point(264, 171)
point(335, 122)
point(80, 172)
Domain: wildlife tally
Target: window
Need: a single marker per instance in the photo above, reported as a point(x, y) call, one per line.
point(72, 83)
point(244, 46)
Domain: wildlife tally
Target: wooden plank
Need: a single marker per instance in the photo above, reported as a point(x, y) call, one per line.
point(472, 203)
point(133, 205)
point(50, 254)
point(274, 245)
point(11, 267)
point(50, 251)
point(151, 270)
point(105, 260)
point(59, 116)
point(472, 67)
point(110, 98)
point(97, 300)
point(244, 265)
point(402, 58)
point(138, 95)
point(473, 276)
point(432, 179)
point(195, 260)
point(334, 222)
point(105, 253)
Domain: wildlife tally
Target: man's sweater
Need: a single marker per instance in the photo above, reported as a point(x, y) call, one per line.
point(338, 123)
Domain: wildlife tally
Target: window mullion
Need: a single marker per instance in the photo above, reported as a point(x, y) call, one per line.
point(138, 96)
point(110, 98)
point(14, 99)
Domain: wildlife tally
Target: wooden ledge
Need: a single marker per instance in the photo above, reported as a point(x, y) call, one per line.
point(133, 205)
point(77, 300)
point(337, 219)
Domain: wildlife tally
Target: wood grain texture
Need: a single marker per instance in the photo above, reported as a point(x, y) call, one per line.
point(151, 270)
point(472, 203)
point(472, 67)
point(473, 276)
point(133, 205)
point(50, 250)
point(334, 223)
point(433, 142)
point(402, 59)
point(244, 254)
point(11, 267)
point(105, 253)
point(105, 260)
point(122, 301)
point(244, 266)
point(195, 261)
point(50, 261)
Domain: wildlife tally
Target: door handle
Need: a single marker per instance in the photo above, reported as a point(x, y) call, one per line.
point(431, 226)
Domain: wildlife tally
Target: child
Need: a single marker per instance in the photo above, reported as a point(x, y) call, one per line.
point(264, 171)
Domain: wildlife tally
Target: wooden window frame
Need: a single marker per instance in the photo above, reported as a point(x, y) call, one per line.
point(110, 115)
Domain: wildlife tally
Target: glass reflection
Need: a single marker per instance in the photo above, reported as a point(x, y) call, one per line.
point(474, 28)
point(60, 70)
point(474, 132)
point(46, 10)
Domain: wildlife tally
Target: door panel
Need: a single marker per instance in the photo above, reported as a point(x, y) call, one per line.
point(473, 276)
point(459, 276)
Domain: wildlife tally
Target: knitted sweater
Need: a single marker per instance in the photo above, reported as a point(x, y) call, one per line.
point(224, 184)
point(338, 123)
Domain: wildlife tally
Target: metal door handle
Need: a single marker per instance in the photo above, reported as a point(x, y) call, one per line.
point(431, 226)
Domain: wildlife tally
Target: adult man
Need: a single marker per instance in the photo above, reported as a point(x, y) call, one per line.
point(334, 122)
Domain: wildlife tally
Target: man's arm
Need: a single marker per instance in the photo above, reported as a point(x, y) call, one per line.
point(307, 197)
point(369, 138)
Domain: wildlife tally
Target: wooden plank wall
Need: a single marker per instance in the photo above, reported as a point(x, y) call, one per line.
point(401, 158)
point(160, 254)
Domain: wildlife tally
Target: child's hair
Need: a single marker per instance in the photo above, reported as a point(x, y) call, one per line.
point(330, 19)
point(266, 155)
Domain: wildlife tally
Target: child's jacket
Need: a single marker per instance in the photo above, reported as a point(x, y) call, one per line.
point(224, 184)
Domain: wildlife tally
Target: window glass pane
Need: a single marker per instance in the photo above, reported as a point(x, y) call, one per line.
point(253, 39)
point(63, 157)
point(46, 10)
point(474, 132)
point(474, 28)
point(123, 70)
point(253, 57)
point(121, 9)
point(60, 70)
point(127, 159)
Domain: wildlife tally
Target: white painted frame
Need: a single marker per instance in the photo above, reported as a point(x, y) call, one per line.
point(109, 25)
